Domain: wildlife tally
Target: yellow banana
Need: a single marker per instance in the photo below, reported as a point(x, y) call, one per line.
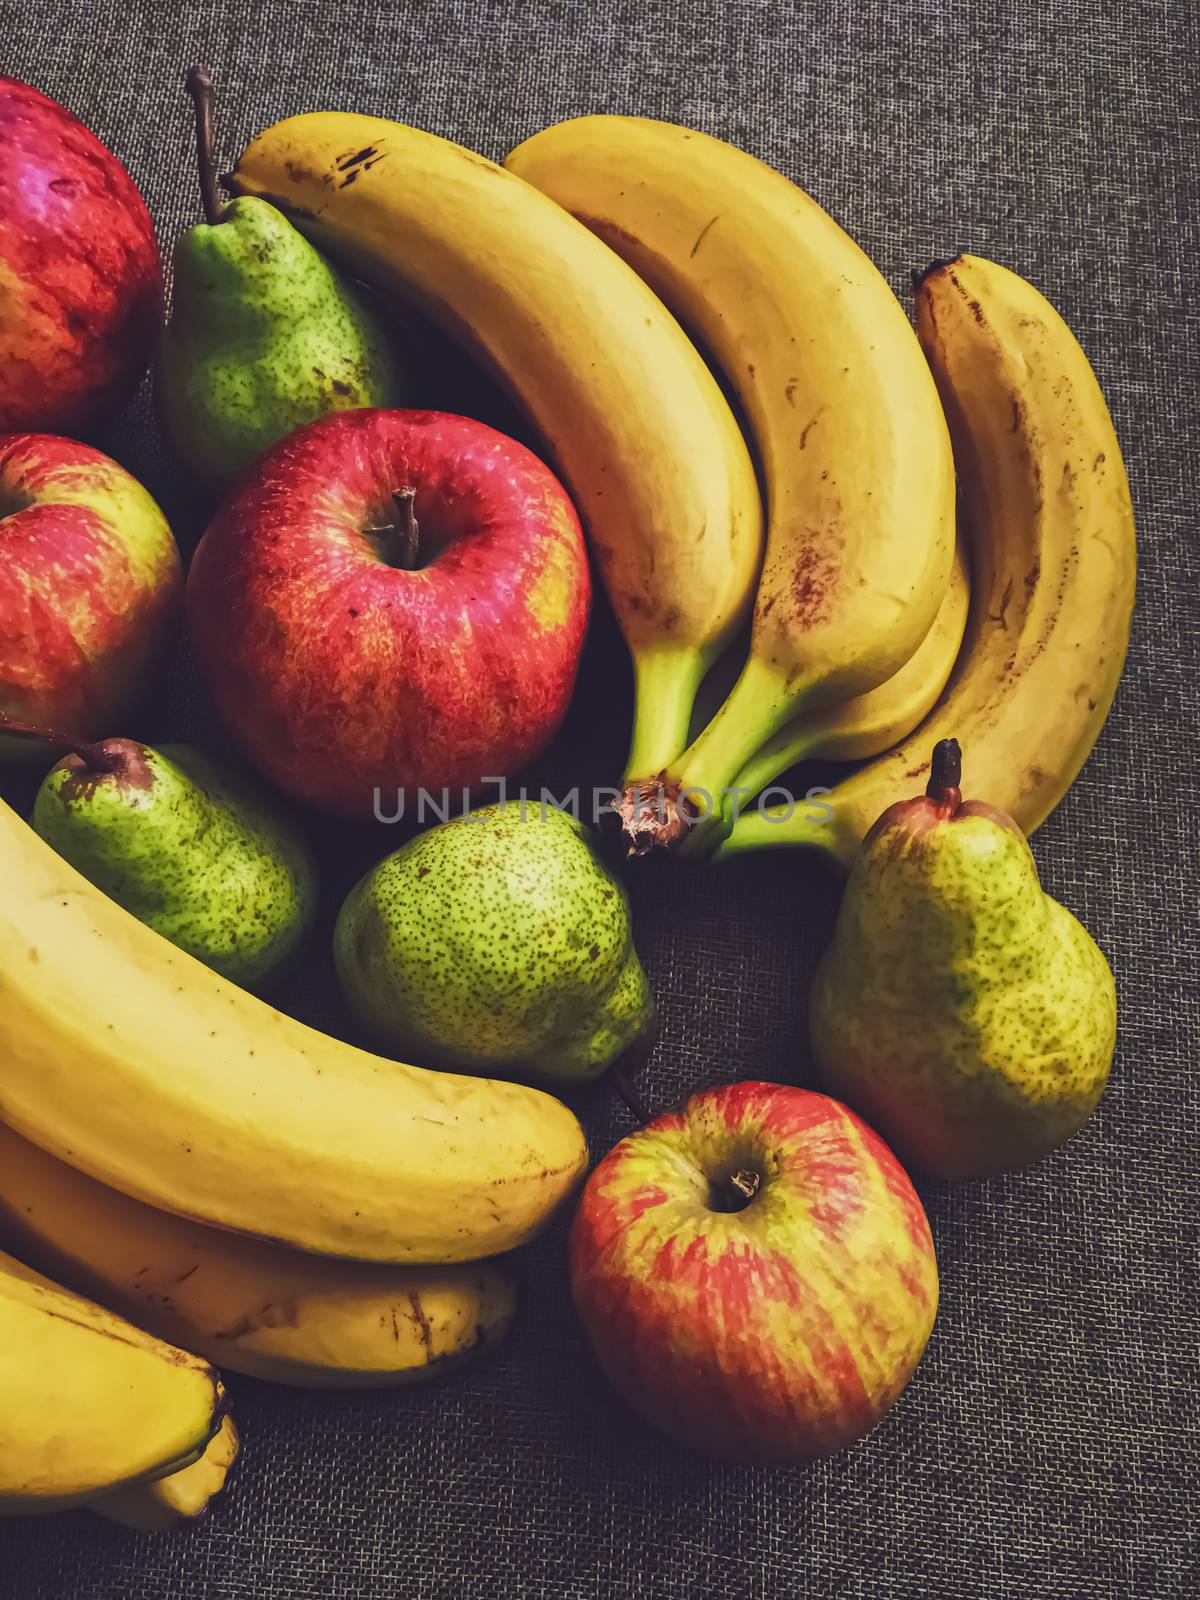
point(247, 1305)
point(633, 419)
point(88, 1402)
point(181, 1498)
point(872, 722)
point(1053, 563)
point(860, 481)
point(133, 1062)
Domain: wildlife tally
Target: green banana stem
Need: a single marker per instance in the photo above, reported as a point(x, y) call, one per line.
point(795, 742)
point(665, 687)
point(825, 822)
point(756, 708)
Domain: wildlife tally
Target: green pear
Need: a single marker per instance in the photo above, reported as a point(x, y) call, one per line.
point(264, 333)
point(498, 942)
point(189, 850)
point(968, 1016)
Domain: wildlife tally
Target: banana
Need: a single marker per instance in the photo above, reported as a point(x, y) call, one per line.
point(1053, 565)
point(130, 1060)
point(877, 720)
point(181, 1498)
point(856, 456)
point(246, 1305)
point(88, 1402)
point(632, 417)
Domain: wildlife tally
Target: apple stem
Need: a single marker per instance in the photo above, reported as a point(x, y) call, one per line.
point(945, 776)
point(735, 1192)
point(407, 529)
point(200, 87)
point(746, 1183)
point(97, 759)
point(633, 1100)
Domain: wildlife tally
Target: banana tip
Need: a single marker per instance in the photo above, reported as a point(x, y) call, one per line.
point(943, 264)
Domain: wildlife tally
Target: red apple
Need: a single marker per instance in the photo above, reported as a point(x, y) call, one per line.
point(89, 580)
point(352, 656)
point(755, 1273)
point(80, 281)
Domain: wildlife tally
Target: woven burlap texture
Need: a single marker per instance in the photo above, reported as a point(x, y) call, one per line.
point(1048, 1446)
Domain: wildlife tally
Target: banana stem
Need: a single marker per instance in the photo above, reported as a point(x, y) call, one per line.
point(665, 686)
point(756, 708)
point(794, 743)
point(97, 759)
point(199, 86)
point(807, 824)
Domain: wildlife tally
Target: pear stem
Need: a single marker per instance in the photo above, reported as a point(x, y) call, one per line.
point(98, 760)
point(199, 86)
point(407, 529)
point(945, 776)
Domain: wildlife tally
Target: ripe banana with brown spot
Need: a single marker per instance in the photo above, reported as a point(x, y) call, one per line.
point(875, 721)
point(855, 452)
point(633, 419)
point(128, 1059)
point(247, 1305)
point(1053, 565)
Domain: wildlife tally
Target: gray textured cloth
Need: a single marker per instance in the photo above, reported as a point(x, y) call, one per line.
point(1049, 1443)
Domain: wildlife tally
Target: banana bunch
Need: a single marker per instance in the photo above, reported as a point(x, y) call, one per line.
point(854, 447)
point(1053, 562)
point(857, 462)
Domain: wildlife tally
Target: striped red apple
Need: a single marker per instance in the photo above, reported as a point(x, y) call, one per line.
point(755, 1273)
point(80, 282)
point(391, 601)
point(89, 581)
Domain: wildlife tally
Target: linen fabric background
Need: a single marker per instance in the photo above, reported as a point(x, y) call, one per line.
point(1048, 1445)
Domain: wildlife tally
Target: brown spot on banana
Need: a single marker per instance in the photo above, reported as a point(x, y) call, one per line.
point(422, 1322)
point(703, 234)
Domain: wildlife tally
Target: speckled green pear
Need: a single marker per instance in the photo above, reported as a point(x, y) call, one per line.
point(264, 334)
point(967, 1015)
point(496, 943)
point(196, 854)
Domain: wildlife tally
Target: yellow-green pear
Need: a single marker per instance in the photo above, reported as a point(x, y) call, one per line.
point(195, 851)
point(968, 1016)
point(264, 335)
point(498, 942)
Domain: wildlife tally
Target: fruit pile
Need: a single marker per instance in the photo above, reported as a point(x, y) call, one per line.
point(388, 606)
